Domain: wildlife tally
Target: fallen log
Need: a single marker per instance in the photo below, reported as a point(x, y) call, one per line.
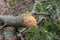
point(26, 20)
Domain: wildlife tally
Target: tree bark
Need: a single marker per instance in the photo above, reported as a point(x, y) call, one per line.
point(23, 20)
point(11, 20)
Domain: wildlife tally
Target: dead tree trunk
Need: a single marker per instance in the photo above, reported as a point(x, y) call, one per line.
point(26, 20)
point(11, 20)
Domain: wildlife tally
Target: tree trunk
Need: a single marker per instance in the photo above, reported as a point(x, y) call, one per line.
point(24, 19)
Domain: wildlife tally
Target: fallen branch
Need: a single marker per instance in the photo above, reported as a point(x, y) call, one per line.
point(26, 20)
